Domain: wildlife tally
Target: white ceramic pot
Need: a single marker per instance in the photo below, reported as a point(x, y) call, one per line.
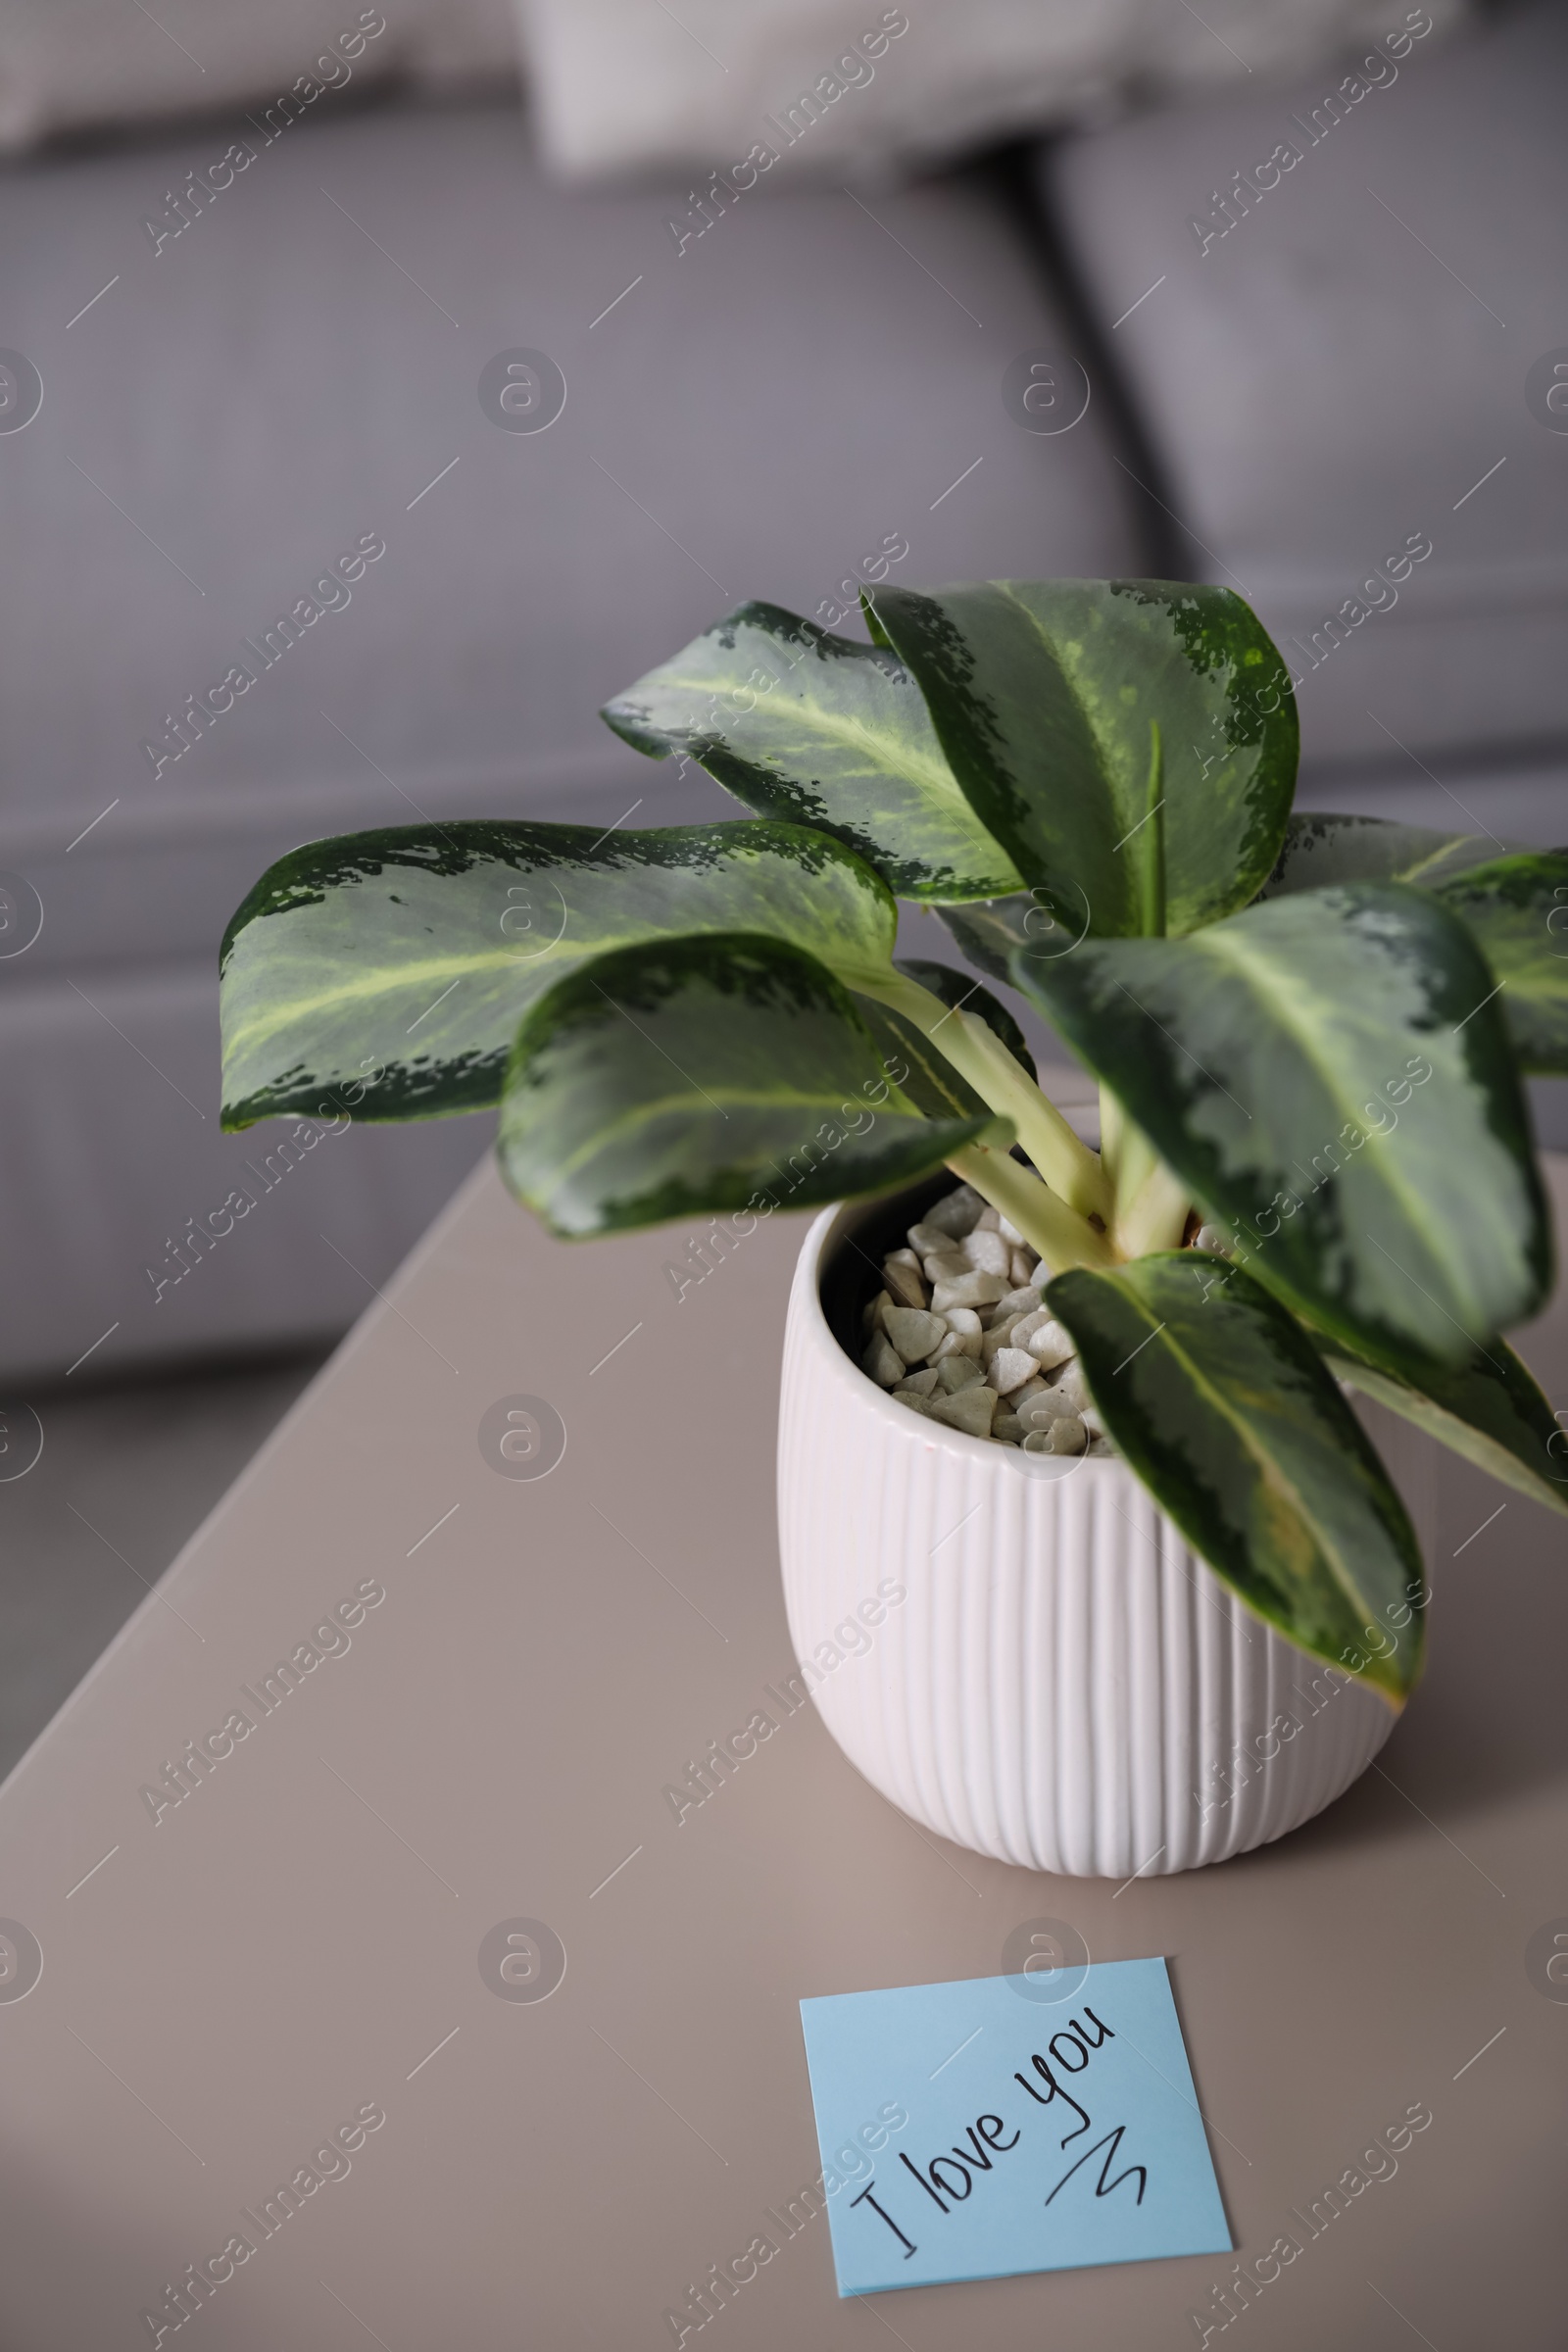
point(1062, 1683)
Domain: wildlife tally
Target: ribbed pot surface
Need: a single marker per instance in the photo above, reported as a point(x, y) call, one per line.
point(1063, 1683)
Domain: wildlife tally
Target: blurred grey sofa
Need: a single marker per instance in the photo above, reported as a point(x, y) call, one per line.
point(809, 392)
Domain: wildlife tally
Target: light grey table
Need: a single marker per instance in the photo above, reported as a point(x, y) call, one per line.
point(298, 1941)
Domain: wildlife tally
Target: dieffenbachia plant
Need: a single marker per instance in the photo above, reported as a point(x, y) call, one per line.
point(1309, 1033)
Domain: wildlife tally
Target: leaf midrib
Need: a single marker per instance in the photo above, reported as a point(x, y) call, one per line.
point(1472, 1442)
point(833, 727)
point(386, 979)
point(1411, 873)
point(1070, 685)
point(638, 1115)
point(1266, 1461)
point(1253, 968)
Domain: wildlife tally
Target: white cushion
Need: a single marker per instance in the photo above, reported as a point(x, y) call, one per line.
point(847, 87)
point(1341, 370)
point(73, 65)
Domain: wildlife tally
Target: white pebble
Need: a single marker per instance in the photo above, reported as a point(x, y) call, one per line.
point(947, 1265)
point(1010, 1234)
point(1009, 1429)
point(1021, 1264)
point(974, 1289)
point(871, 1317)
point(958, 1371)
point(1010, 1367)
point(884, 1363)
point(956, 1343)
point(1067, 1435)
point(986, 1252)
point(1051, 1345)
point(1211, 1236)
point(991, 1219)
point(901, 1275)
point(913, 1398)
point(1024, 1300)
point(969, 1409)
point(914, 1332)
point(963, 1330)
point(1041, 1408)
point(957, 1213)
point(922, 1382)
point(992, 1346)
point(928, 1241)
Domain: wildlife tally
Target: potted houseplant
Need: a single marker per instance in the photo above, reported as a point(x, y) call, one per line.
point(1085, 1416)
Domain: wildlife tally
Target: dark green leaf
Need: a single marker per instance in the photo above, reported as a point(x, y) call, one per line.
point(801, 724)
point(926, 1077)
point(1043, 693)
point(963, 994)
point(1320, 849)
point(695, 1076)
point(1518, 910)
point(997, 930)
point(386, 972)
point(1223, 1408)
point(1489, 1411)
point(1326, 1073)
point(1516, 903)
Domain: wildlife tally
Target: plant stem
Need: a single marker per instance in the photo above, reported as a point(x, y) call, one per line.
point(1059, 1235)
point(1148, 1201)
point(977, 1053)
point(1153, 868)
point(1113, 1136)
point(1136, 1161)
point(1155, 1218)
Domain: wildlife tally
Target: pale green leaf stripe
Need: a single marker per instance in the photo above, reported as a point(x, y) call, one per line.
point(1337, 1034)
point(820, 730)
point(1327, 1071)
point(1311, 1018)
point(1221, 1405)
point(644, 1113)
point(1517, 909)
point(416, 955)
point(1502, 1455)
point(1270, 1470)
point(1321, 848)
point(684, 1076)
point(1045, 694)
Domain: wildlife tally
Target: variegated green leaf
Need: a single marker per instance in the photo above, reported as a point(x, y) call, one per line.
point(801, 724)
point(693, 1076)
point(1046, 693)
point(1330, 1073)
point(1490, 1410)
point(961, 994)
point(997, 931)
point(387, 972)
point(1222, 1405)
point(926, 1077)
point(1320, 849)
point(1517, 907)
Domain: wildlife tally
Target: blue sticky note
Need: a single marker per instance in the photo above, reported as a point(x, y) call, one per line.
point(976, 2130)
